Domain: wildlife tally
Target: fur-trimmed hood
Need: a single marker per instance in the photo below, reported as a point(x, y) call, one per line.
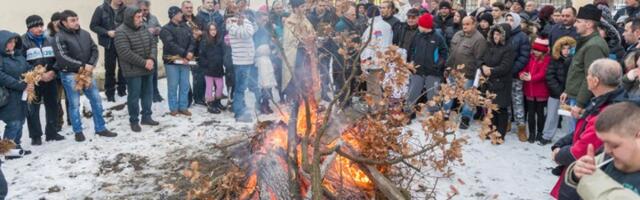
point(557, 46)
point(504, 29)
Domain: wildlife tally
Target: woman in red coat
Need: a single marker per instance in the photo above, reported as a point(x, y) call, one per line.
point(535, 87)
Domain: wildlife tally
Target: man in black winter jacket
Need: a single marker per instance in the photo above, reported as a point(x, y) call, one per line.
point(37, 48)
point(75, 50)
point(404, 32)
point(443, 22)
point(106, 18)
point(179, 43)
point(429, 52)
point(137, 54)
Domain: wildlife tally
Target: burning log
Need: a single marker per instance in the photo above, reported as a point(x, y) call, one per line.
point(267, 164)
point(383, 184)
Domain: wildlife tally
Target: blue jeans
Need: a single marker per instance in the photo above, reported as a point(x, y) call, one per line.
point(246, 77)
point(467, 111)
point(140, 93)
point(178, 81)
point(13, 130)
point(73, 97)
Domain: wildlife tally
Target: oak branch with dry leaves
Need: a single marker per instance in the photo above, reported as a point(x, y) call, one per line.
point(332, 151)
point(33, 77)
point(83, 79)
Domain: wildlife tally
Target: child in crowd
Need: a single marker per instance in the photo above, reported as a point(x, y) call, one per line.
point(535, 88)
point(211, 60)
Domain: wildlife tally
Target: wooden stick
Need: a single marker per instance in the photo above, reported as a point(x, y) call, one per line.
point(382, 183)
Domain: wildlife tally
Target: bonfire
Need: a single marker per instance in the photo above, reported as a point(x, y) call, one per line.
point(318, 150)
point(346, 154)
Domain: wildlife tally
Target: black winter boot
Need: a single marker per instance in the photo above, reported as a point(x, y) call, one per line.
point(532, 137)
point(218, 104)
point(212, 107)
point(464, 123)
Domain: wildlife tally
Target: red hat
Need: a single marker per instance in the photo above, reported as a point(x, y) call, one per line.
point(541, 44)
point(426, 21)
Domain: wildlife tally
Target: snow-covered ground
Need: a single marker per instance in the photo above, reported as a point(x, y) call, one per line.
point(136, 165)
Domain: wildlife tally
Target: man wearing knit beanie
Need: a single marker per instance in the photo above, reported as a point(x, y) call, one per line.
point(443, 22)
point(429, 52)
point(34, 21)
point(38, 49)
point(485, 21)
point(178, 42)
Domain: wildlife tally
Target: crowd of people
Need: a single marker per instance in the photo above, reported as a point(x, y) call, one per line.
point(536, 59)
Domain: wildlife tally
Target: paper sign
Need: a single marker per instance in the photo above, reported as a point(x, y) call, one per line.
point(180, 62)
point(476, 80)
point(564, 112)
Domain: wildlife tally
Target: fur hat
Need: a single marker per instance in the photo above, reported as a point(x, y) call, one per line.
point(541, 44)
point(563, 41)
point(589, 12)
point(444, 4)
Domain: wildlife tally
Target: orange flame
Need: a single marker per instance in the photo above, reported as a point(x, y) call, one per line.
point(353, 172)
point(250, 186)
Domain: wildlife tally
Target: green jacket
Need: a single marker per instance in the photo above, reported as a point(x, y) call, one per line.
point(598, 186)
point(589, 49)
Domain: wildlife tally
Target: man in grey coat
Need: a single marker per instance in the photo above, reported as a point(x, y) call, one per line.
point(137, 50)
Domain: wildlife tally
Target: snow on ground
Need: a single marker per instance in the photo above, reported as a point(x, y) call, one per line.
point(134, 165)
point(513, 170)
